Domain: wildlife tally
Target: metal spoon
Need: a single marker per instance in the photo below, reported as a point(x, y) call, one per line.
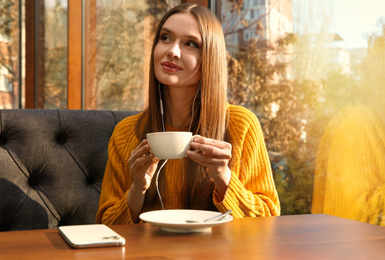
point(217, 218)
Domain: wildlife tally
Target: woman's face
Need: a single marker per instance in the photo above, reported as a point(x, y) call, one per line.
point(177, 54)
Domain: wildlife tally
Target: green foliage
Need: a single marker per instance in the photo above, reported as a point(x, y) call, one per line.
point(294, 183)
point(119, 57)
point(293, 112)
point(54, 93)
point(55, 88)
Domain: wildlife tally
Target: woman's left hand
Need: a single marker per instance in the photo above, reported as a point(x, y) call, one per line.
point(215, 156)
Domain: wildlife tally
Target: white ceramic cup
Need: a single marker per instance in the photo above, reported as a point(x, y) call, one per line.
point(170, 145)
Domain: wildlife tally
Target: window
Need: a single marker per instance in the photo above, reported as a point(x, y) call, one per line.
point(322, 88)
point(247, 35)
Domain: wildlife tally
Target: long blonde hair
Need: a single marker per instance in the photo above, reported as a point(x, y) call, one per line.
point(210, 105)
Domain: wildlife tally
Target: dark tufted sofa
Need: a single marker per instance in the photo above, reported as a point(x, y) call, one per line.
point(52, 165)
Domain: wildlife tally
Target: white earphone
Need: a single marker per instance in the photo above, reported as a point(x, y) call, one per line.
point(164, 130)
point(161, 107)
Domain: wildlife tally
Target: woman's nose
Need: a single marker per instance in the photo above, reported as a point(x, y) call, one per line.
point(174, 52)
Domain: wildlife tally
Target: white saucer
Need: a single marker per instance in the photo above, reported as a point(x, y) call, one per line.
point(175, 220)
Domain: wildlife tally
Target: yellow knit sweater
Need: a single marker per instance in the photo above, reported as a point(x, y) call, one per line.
point(251, 191)
point(349, 179)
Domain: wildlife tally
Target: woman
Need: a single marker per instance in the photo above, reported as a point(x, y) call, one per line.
point(228, 166)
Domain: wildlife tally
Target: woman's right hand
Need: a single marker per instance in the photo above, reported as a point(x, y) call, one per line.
point(143, 166)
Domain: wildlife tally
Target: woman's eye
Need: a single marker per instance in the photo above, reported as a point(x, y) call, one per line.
point(192, 45)
point(165, 38)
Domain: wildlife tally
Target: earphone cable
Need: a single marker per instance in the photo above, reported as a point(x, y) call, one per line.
point(161, 107)
point(156, 183)
point(164, 130)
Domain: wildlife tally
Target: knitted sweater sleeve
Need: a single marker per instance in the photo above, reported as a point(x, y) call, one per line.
point(251, 191)
point(349, 177)
point(113, 207)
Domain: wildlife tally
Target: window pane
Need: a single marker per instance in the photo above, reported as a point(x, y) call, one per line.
point(9, 54)
point(312, 71)
point(51, 53)
point(118, 39)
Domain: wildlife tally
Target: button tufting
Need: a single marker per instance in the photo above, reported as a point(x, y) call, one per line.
point(33, 182)
point(61, 138)
point(3, 140)
point(90, 180)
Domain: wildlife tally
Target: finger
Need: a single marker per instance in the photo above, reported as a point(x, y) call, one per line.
point(152, 168)
point(142, 163)
point(224, 153)
point(212, 146)
point(207, 159)
point(210, 142)
point(214, 168)
point(139, 152)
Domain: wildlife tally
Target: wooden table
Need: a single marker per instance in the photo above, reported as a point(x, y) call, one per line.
point(285, 237)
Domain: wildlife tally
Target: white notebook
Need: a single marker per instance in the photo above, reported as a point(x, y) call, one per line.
point(93, 235)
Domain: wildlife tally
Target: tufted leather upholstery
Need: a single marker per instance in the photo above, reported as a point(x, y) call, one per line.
point(51, 166)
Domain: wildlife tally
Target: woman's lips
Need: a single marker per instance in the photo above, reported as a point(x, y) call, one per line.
point(169, 66)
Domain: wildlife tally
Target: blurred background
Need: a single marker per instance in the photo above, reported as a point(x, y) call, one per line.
point(302, 66)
